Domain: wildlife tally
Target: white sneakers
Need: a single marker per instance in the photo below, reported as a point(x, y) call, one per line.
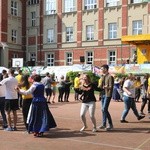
point(94, 130)
point(85, 127)
point(108, 128)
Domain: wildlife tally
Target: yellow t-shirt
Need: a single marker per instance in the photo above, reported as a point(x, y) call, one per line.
point(148, 85)
point(54, 84)
point(29, 96)
point(137, 84)
point(76, 82)
point(100, 82)
point(18, 77)
point(149, 81)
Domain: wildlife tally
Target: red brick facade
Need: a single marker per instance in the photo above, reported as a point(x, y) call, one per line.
point(100, 51)
point(4, 21)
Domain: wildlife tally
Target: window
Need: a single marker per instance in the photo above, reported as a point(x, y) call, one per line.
point(68, 59)
point(50, 7)
point(112, 30)
point(90, 4)
point(50, 59)
point(137, 27)
point(89, 57)
point(136, 1)
point(90, 33)
point(32, 2)
point(112, 57)
point(50, 35)
point(15, 55)
point(14, 36)
point(110, 3)
point(69, 34)
point(14, 8)
point(69, 5)
point(33, 19)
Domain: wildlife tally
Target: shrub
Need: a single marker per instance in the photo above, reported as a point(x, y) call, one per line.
point(72, 75)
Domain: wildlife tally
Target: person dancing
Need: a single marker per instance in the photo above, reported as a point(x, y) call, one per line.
point(40, 118)
point(88, 102)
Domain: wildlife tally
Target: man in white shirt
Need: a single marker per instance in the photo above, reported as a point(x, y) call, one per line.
point(11, 97)
point(128, 98)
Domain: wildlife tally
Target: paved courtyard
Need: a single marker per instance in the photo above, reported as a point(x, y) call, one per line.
point(134, 135)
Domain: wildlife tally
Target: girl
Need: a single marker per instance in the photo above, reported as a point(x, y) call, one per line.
point(88, 102)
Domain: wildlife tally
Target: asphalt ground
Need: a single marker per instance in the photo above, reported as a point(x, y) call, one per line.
point(134, 135)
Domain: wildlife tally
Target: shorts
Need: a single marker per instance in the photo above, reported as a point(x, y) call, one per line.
point(11, 104)
point(48, 91)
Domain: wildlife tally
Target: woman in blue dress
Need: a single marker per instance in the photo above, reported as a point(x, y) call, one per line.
point(40, 119)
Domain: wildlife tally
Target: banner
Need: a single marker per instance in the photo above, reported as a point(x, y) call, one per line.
point(112, 70)
point(137, 68)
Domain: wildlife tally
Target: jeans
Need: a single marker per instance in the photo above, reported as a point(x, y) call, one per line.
point(105, 113)
point(129, 103)
point(84, 108)
point(2, 109)
point(61, 91)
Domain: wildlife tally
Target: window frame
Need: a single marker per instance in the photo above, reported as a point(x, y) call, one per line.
point(33, 18)
point(89, 5)
point(50, 7)
point(111, 3)
point(69, 58)
point(14, 36)
point(137, 30)
point(89, 32)
point(69, 6)
point(50, 63)
point(112, 62)
point(112, 30)
point(33, 2)
point(69, 34)
point(15, 55)
point(14, 8)
point(50, 35)
point(135, 1)
point(89, 58)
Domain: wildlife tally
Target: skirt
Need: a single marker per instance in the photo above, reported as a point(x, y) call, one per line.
point(40, 119)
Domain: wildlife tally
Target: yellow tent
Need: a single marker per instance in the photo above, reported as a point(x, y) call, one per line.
point(143, 46)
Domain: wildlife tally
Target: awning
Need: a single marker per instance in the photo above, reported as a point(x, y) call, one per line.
point(136, 39)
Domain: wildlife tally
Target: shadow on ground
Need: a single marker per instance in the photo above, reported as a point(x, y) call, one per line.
point(65, 133)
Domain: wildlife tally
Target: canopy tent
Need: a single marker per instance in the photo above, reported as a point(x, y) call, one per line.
point(142, 43)
point(136, 39)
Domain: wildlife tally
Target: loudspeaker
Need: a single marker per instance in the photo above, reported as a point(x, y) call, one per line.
point(82, 59)
point(31, 63)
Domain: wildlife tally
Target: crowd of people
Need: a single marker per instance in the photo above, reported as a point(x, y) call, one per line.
point(33, 94)
point(36, 114)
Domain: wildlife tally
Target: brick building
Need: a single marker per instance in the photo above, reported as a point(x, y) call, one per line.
point(66, 32)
